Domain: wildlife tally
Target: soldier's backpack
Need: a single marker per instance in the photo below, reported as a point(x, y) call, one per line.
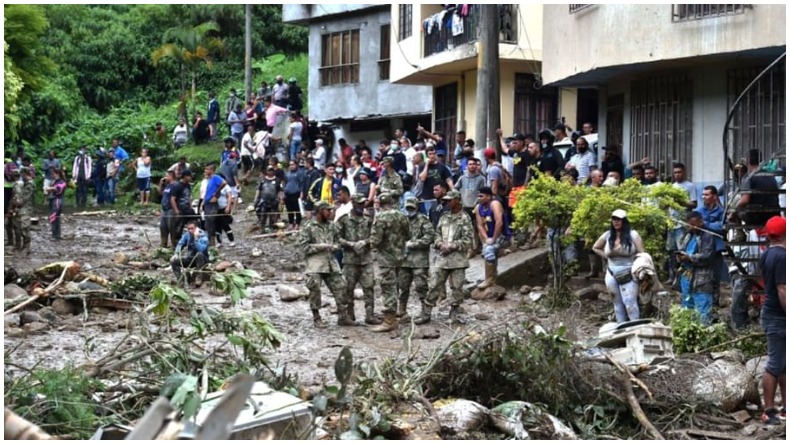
point(268, 192)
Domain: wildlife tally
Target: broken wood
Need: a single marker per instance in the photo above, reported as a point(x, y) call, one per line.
point(734, 341)
point(636, 408)
point(24, 304)
point(94, 213)
point(708, 434)
point(718, 420)
point(279, 233)
point(18, 428)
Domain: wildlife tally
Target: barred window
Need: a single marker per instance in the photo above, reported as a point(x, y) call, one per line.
point(404, 21)
point(445, 107)
point(340, 58)
point(384, 53)
point(535, 108)
point(661, 121)
point(685, 13)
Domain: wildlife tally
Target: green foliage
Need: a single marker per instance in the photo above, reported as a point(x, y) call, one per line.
point(182, 391)
point(547, 200)
point(690, 335)
point(13, 86)
point(296, 66)
point(647, 209)
point(164, 295)
point(134, 286)
point(234, 284)
point(58, 401)
point(25, 25)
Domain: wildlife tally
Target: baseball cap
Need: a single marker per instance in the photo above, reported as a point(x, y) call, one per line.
point(776, 226)
point(519, 136)
point(489, 152)
point(452, 194)
point(441, 152)
point(620, 214)
point(411, 203)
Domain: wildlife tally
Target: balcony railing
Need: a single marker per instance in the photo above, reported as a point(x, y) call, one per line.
point(685, 13)
point(444, 37)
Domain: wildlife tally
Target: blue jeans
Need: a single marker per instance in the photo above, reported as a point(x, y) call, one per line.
point(295, 145)
point(702, 302)
point(101, 192)
point(111, 182)
point(775, 328)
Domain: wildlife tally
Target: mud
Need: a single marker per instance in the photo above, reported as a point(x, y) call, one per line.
point(307, 353)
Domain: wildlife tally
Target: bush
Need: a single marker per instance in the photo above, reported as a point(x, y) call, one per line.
point(690, 335)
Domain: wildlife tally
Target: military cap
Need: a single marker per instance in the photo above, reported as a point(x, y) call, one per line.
point(323, 205)
point(411, 203)
point(385, 198)
point(359, 198)
point(452, 194)
point(388, 159)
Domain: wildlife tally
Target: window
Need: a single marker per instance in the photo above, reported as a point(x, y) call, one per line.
point(340, 58)
point(685, 13)
point(445, 108)
point(384, 53)
point(759, 121)
point(661, 122)
point(615, 113)
point(404, 21)
point(535, 108)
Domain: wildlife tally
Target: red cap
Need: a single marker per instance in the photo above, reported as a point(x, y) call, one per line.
point(489, 152)
point(776, 226)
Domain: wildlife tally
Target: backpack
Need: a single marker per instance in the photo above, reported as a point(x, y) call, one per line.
point(268, 192)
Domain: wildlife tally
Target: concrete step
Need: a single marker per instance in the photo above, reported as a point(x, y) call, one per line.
point(521, 267)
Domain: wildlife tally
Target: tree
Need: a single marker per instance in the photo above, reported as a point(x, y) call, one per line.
point(13, 85)
point(190, 47)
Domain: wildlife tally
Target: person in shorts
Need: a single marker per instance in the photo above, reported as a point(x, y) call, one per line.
point(773, 268)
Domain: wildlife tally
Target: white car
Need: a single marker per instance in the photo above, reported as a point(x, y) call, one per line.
point(565, 144)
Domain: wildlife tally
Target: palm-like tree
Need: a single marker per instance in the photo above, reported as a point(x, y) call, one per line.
point(190, 47)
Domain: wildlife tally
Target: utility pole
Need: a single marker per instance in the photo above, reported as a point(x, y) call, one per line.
point(487, 118)
point(247, 52)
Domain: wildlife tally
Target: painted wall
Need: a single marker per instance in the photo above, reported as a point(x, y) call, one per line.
point(296, 13)
point(370, 96)
point(611, 35)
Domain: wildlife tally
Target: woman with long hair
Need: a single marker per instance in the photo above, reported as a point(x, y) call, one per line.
point(55, 195)
point(618, 247)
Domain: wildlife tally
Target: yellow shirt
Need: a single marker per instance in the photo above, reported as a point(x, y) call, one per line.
point(326, 191)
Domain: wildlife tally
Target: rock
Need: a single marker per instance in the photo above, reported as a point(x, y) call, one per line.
point(535, 296)
point(290, 293)
point(34, 327)
point(750, 429)
point(222, 266)
point(587, 294)
point(291, 266)
point(427, 333)
point(120, 258)
point(741, 416)
point(101, 310)
point(725, 384)
point(64, 307)
point(359, 294)
point(13, 291)
point(538, 289)
point(461, 415)
point(268, 272)
point(600, 288)
point(28, 317)
point(605, 296)
point(15, 332)
point(11, 320)
point(525, 289)
point(735, 356)
point(482, 316)
point(756, 366)
point(492, 292)
point(88, 285)
point(256, 252)
point(48, 314)
point(292, 277)
point(140, 265)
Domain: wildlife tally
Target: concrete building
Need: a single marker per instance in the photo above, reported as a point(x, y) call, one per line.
point(439, 47)
point(349, 85)
point(667, 75)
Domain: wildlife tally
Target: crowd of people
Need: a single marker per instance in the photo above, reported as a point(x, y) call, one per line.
point(419, 208)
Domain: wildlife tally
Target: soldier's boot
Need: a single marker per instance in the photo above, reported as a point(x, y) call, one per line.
point(425, 315)
point(26, 248)
point(163, 240)
point(371, 318)
point(390, 323)
point(490, 270)
point(342, 318)
point(402, 309)
point(454, 315)
point(350, 311)
point(317, 321)
point(593, 266)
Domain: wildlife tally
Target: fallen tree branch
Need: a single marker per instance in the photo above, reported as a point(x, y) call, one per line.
point(432, 411)
point(636, 409)
point(101, 369)
point(279, 233)
point(24, 304)
point(736, 340)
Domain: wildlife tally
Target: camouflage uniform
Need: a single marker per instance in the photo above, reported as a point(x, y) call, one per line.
point(388, 235)
point(353, 229)
point(455, 230)
point(314, 238)
point(415, 267)
point(391, 184)
point(24, 193)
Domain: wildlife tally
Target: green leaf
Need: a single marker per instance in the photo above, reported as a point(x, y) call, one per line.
point(344, 366)
point(188, 386)
point(235, 340)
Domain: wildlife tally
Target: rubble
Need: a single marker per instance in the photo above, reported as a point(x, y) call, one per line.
point(724, 383)
point(493, 292)
point(13, 291)
point(290, 293)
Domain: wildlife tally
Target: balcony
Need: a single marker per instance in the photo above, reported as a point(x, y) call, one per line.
point(686, 13)
point(444, 36)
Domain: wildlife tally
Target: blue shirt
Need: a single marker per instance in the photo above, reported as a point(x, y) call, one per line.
point(714, 221)
point(212, 187)
point(197, 244)
point(166, 197)
point(121, 156)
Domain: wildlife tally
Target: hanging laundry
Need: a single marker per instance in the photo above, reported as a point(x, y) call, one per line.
point(458, 25)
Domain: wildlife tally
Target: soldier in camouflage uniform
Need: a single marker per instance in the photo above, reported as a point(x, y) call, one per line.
point(22, 203)
point(390, 181)
point(353, 230)
point(388, 235)
point(453, 238)
point(319, 240)
point(415, 267)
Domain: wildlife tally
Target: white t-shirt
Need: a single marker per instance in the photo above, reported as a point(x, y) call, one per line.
point(409, 153)
point(296, 126)
point(247, 144)
point(319, 155)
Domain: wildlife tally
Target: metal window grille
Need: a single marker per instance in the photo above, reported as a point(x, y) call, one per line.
point(759, 121)
point(446, 108)
point(572, 9)
point(404, 21)
point(384, 53)
point(661, 122)
point(685, 13)
point(615, 113)
point(535, 108)
point(340, 58)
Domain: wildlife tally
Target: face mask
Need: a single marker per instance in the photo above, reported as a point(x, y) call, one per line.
point(82, 152)
point(544, 145)
point(411, 213)
point(393, 146)
point(339, 170)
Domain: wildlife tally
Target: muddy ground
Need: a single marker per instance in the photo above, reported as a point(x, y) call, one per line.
point(306, 352)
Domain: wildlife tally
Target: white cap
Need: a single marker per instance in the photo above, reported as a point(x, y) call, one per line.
point(620, 214)
point(319, 142)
